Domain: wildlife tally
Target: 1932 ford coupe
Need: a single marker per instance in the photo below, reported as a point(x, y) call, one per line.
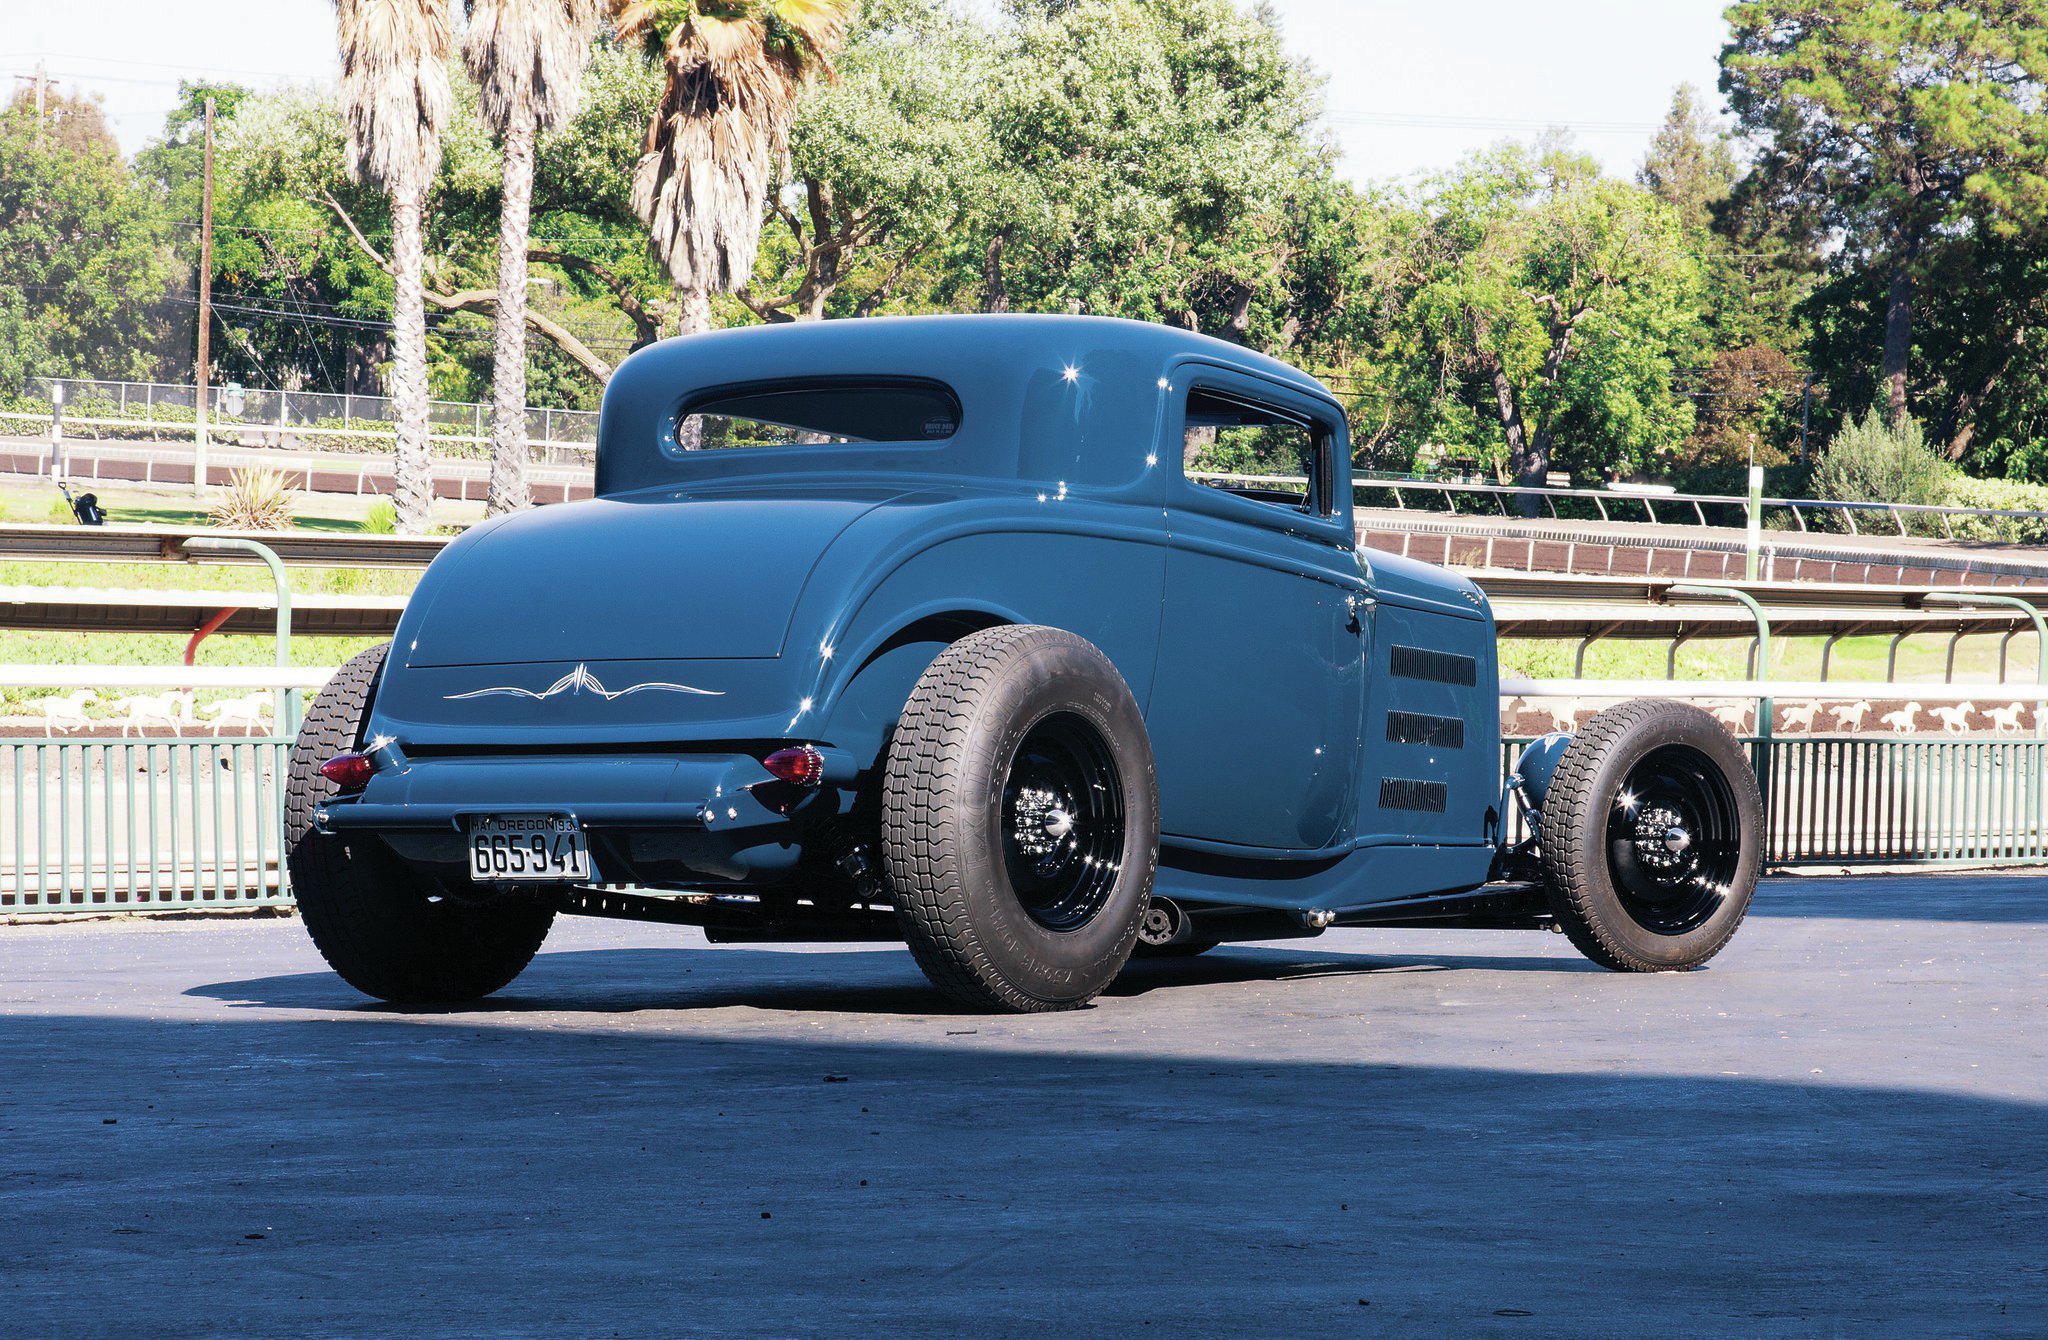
point(1018, 639)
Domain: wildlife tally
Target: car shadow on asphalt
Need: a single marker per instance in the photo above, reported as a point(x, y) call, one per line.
point(864, 981)
point(378, 1175)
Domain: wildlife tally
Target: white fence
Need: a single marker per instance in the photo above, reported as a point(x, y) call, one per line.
point(94, 408)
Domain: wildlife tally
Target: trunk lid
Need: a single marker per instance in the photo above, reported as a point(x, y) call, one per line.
point(678, 576)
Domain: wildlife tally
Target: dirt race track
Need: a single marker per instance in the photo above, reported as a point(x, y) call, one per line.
point(1841, 1126)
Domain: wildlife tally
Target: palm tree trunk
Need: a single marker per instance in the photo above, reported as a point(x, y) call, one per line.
point(508, 492)
point(413, 472)
point(694, 305)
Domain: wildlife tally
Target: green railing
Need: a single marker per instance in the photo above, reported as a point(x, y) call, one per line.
point(157, 824)
point(141, 824)
point(1877, 800)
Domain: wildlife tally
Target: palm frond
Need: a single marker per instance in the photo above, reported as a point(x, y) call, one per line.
point(529, 54)
point(735, 72)
point(394, 88)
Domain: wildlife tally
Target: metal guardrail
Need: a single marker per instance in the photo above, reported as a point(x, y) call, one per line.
point(1622, 549)
point(1628, 501)
point(145, 544)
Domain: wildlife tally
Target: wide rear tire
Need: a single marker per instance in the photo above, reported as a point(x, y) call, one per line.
point(386, 930)
point(1651, 837)
point(1020, 820)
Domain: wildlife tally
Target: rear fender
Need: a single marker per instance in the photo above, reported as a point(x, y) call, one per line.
point(864, 707)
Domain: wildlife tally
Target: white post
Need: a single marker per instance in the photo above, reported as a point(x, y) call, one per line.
point(1755, 535)
point(57, 430)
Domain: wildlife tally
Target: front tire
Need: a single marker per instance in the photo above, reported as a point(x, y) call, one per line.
point(376, 922)
point(1651, 837)
point(1020, 820)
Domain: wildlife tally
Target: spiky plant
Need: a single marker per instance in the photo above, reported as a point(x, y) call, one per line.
point(255, 499)
point(735, 71)
point(381, 519)
point(527, 57)
point(394, 101)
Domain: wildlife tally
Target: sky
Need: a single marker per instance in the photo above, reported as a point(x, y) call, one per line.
point(1414, 85)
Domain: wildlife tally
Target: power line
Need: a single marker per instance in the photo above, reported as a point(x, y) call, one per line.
point(138, 64)
point(442, 328)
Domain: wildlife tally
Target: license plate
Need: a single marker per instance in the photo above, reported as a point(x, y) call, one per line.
point(527, 848)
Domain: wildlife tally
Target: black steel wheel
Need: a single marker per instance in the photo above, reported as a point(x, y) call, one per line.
point(1674, 844)
point(1063, 835)
point(1019, 820)
point(1651, 837)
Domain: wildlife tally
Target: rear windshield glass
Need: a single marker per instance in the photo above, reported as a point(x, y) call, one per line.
point(819, 414)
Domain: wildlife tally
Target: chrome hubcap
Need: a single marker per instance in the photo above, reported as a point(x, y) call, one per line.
point(1063, 822)
point(1040, 818)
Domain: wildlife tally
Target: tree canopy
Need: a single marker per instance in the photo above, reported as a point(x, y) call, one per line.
point(1864, 227)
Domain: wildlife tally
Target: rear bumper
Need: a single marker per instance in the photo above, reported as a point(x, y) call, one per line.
point(651, 819)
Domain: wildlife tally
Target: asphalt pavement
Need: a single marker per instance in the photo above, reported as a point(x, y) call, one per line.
point(1840, 1126)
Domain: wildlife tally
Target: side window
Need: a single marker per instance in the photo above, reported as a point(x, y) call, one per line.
point(1256, 451)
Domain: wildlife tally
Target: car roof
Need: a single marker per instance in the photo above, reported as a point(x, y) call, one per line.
point(1045, 397)
point(1008, 338)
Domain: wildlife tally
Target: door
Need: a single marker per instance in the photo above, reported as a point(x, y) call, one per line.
point(1258, 694)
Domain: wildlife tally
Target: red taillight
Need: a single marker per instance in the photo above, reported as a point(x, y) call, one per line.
point(801, 766)
point(350, 772)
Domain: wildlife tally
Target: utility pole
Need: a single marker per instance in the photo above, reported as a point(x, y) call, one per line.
point(205, 311)
point(42, 83)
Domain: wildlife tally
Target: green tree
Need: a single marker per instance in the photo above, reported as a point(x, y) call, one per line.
point(1890, 126)
point(888, 164)
point(1556, 304)
point(1159, 161)
point(85, 260)
point(1691, 165)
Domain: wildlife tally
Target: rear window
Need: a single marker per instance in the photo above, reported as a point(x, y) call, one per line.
point(818, 414)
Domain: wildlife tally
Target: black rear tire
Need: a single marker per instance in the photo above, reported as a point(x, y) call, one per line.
point(1651, 837)
point(379, 924)
point(1020, 820)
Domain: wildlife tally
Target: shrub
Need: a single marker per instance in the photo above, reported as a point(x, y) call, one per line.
point(1872, 461)
point(255, 500)
point(382, 518)
point(2006, 495)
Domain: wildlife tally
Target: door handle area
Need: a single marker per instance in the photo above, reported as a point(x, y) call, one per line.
point(1355, 608)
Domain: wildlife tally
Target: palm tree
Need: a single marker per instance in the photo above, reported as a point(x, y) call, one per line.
point(394, 99)
point(735, 71)
point(527, 57)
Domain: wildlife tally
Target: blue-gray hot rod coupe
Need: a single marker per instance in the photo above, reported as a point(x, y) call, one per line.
point(1015, 638)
